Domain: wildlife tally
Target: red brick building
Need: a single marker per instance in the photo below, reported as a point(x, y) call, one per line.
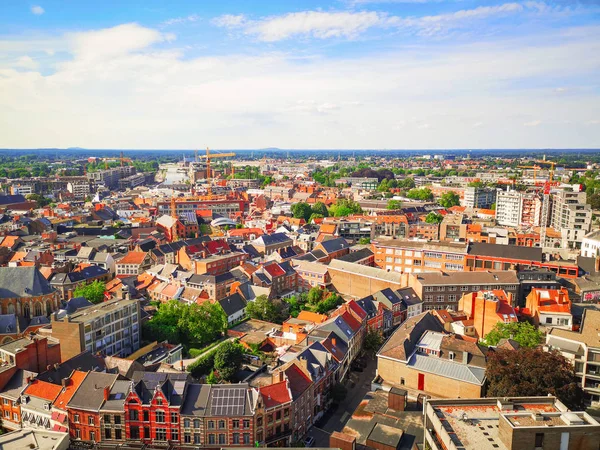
point(152, 408)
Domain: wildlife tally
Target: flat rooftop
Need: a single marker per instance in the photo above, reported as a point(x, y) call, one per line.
point(474, 424)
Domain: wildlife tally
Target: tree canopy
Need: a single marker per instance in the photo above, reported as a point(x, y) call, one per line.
point(394, 204)
point(301, 210)
point(449, 199)
point(532, 372)
point(262, 308)
point(189, 324)
point(344, 207)
point(434, 217)
point(423, 194)
point(522, 332)
point(228, 360)
point(320, 208)
point(93, 292)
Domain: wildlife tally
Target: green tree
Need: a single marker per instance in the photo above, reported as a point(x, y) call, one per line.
point(373, 342)
point(364, 240)
point(332, 301)
point(449, 199)
point(423, 194)
point(228, 360)
point(320, 208)
point(532, 372)
point(314, 216)
point(522, 332)
point(301, 210)
point(211, 378)
point(433, 217)
point(39, 199)
point(344, 207)
point(93, 292)
point(314, 295)
point(476, 184)
point(264, 309)
point(394, 204)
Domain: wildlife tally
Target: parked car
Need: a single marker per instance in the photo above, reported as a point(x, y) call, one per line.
point(309, 441)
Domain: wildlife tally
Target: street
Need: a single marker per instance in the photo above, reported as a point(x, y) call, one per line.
point(335, 420)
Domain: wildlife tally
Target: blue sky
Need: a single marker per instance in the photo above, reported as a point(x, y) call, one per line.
point(303, 74)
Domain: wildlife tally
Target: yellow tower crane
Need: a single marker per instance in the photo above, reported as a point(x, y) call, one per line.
point(210, 156)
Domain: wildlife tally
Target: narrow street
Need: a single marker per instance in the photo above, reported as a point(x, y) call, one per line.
point(335, 420)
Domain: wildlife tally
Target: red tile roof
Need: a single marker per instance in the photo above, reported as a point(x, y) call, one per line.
point(132, 258)
point(299, 381)
point(276, 394)
point(274, 270)
point(351, 321)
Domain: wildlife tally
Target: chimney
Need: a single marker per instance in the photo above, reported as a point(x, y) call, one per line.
point(597, 264)
point(28, 380)
point(64, 382)
point(69, 294)
point(280, 375)
point(333, 341)
point(465, 357)
point(106, 393)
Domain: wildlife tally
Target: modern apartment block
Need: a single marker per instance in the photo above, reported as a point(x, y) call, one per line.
point(479, 197)
point(110, 328)
point(110, 177)
point(398, 255)
point(582, 348)
point(518, 209)
point(507, 424)
point(572, 216)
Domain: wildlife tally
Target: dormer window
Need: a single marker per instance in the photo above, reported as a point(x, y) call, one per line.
point(451, 356)
point(159, 401)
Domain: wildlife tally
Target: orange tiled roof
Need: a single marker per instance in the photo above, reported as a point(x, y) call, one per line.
point(312, 317)
point(18, 256)
point(132, 258)
point(43, 389)
point(9, 241)
point(76, 379)
point(327, 228)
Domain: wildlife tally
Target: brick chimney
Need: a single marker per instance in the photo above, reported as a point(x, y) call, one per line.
point(333, 341)
point(106, 393)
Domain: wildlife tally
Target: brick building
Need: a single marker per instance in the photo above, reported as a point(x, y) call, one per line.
point(84, 407)
point(26, 293)
point(488, 308)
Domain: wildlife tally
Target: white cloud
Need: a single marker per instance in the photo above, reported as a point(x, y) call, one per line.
point(26, 62)
point(37, 10)
point(533, 123)
point(119, 40)
point(593, 122)
point(143, 96)
point(229, 21)
point(350, 24)
point(477, 124)
point(180, 20)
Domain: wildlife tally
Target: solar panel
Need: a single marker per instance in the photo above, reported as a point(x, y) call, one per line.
point(228, 401)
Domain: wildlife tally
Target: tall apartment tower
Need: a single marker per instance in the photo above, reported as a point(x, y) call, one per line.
point(571, 216)
point(518, 209)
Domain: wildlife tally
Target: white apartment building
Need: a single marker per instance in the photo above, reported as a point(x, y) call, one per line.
point(590, 245)
point(571, 215)
point(479, 197)
point(518, 209)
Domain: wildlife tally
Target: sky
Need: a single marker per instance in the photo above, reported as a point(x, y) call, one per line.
point(342, 74)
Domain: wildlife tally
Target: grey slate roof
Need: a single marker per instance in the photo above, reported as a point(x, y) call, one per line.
point(506, 251)
point(171, 384)
point(334, 245)
point(357, 255)
point(90, 395)
point(116, 398)
point(23, 282)
point(232, 304)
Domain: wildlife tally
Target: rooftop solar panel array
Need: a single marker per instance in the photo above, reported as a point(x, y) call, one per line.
point(228, 402)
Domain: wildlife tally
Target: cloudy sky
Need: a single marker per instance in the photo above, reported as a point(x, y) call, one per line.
point(415, 74)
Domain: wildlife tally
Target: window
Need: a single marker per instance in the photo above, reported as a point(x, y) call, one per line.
point(186, 423)
point(539, 439)
point(211, 439)
point(451, 356)
point(78, 433)
point(106, 418)
point(221, 424)
point(159, 401)
point(428, 288)
point(161, 434)
point(428, 298)
point(451, 288)
point(91, 420)
point(146, 416)
point(270, 418)
point(440, 298)
point(76, 418)
point(211, 424)
point(160, 416)
point(174, 434)
point(107, 434)
point(246, 438)
point(118, 434)
point(278, 415)
point(464, 288)
point(147, 432)
point(235, 423)
point(174, 417)
point(5, 401)
point(246, 424)
point(548, 319)
point(187, 439)
point(452, 298)
point(236, 438)
point(286, 412)
point(196, 438)
point(196, 423)
point(221, 439)
point(134, 431)
point(15, 417)
point(93, 436)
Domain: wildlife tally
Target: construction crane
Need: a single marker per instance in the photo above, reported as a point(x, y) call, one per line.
point(209, 156)
point(121, 158)
point(535, 169)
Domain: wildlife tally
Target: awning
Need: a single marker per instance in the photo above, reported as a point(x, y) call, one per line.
point(54, 415)
point(56, 427)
